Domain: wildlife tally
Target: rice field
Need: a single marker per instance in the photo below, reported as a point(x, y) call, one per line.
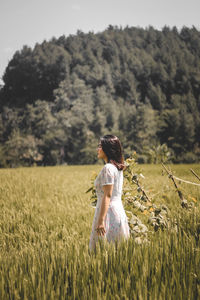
point(45, 224)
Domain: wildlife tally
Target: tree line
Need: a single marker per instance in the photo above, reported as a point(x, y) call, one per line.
point(141, 84)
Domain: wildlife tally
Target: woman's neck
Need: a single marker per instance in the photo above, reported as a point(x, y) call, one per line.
point(105, 159)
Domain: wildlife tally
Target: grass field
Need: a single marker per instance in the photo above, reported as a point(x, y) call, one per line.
point(45, 225)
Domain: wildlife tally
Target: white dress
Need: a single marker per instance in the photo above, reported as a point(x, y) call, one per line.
point(116, 222)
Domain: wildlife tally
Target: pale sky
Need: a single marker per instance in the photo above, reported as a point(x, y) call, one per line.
point(26, 22)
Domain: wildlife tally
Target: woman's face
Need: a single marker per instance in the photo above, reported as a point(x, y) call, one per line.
point(100, 153)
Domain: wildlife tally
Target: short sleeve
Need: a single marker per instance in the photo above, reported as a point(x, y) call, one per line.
point(108, 174)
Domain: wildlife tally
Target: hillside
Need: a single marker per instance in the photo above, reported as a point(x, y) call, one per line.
point(140, 84)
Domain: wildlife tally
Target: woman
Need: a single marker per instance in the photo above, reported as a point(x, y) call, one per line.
point(110, 222)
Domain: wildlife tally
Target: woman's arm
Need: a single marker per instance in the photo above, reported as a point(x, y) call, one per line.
point(104, 208)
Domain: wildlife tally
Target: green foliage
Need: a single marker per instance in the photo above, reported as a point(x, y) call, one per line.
point(141, 84)
point(159, 154)
point(22, 150)
point(34, 74)
point(2, 156)
point(142, 210)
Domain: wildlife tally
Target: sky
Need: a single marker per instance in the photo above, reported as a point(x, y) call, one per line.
point(27, 22)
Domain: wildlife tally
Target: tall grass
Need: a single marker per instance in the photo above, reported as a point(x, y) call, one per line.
point(45, 224)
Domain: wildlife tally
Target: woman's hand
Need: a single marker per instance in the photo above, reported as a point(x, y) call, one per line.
point(101, 228)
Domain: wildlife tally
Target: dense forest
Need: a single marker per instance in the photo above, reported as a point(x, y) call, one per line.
point(142, 85)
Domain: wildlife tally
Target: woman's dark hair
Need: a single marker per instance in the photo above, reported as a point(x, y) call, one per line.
point(112, 147)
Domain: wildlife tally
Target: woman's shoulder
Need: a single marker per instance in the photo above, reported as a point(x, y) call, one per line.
point(110, 167)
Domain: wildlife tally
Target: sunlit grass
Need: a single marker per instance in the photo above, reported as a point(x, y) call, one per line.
point(45, 225)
